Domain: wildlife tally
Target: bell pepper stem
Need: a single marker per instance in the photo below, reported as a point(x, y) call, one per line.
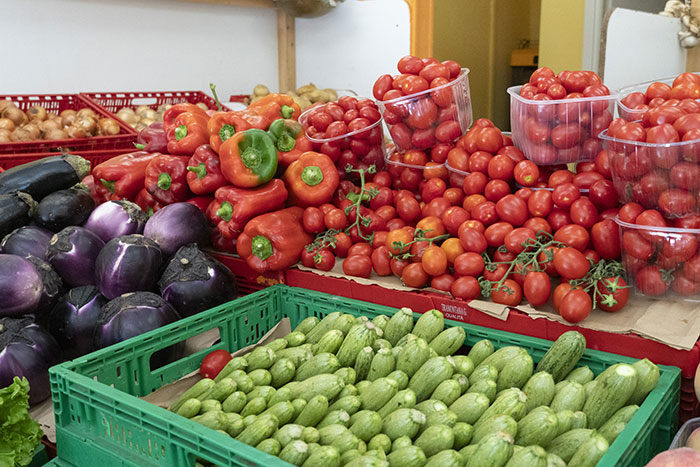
point(225, 211)
point(251, 158)
point(261, 247)
point(226, 132)
point(212, 86)
point(286, 111)
point(139, 146)
point(180, 132)
point(165, 181)
point(200, 170)
point(285, 143)
point(312, 175)
point(108, 184)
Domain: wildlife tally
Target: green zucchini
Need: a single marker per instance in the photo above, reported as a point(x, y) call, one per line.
point(412, 356)
point(647, 379)
point(409, 456)
point(446, 458)
point(470, 407)
point(538, 427)
point(493, 450)
point(610, 394)
point(539, 390)
point(480, 351)
point(563, 355)
point(566, 445)
point(429, 376)
point(590, 452)
point(382, 364)
point(580, 375)
point(448, 341)
point(429, 325)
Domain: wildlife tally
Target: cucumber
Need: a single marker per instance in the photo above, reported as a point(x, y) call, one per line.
point(429, 325)
point(429, 376)
point(367, 425)
point(538, 427)
point(405, 398)
point(379, 393)
point(612, 428)
point(448, 341)
point(486, 387)
point(260, 377)
point(570, 396)
point(610, 394)
point(448, 391)
point(329, 343)
point(470, 407)
point(363, 363)
point(446, 458)
point(324, 456)
point(263, 427)
point(580, 375)
point(400, 377)
point(539, 390)
point(409, 456)
point(381, 321)
point(590, 452)
point(494, 450)
point(510, 402)
point(531, 456)
point(347, 374)
point(235, 402)
point(334, 417)
point(350, 404)
point(515, 373)
point(463, 433)
point(270, 446)
point(504, 423)
point(380, 441)
point(282, 372)
point(480, 351)
point(306, 325)
point(199, 389)
point(261, 357)
point(190, 408)
point(317, 365)
point(382, 364)
point(647, 378)
point(400, 324)
point(463, 365)
point(566, 445)
point(563, 355)
point(325, 384)
point(402, 422)
point(412, 356)
point(288, 433)
point(313, 412)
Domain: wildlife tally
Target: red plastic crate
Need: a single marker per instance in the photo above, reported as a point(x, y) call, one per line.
point(58, 103)
point(113, 101)
point(247, 280)
point(8, 161)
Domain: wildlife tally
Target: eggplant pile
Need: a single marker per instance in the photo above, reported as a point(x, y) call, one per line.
point(75, 278)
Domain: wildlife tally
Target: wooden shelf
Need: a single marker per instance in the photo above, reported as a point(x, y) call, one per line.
point(243, 3)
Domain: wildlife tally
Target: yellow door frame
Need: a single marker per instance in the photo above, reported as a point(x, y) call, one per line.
point(422, 24)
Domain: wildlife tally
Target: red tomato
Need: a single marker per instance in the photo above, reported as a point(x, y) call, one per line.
point(526, 173)
point(560, 292)
point(606, 239)
point(496, 189)
point(361, 248)
point(213, 363)
point(574, 236)
point(342, 244)
point(584, 180)
point(676, 203)
point(489, 139)
point(410, 64)
point(408, 209)
point(537, 132)
point(465, 288)
point(651, 281)
point(687, 122)
point(629, 212)
point(448, 131)
point(510, 293)
point(336, 219)
point(479, 161)
point(682, 285)
point(414, 276)
point(453, 217)
point(358, 266)
point(485, 212)
point(423, 114)
point(558, 218)
point(434, 260)
point(495, 234)
point(398, 265)
point(512, 209)
point(413, 84)
point(685, 175)
point(540, 203)
point(565, 194)
point(575, 306)
point(603, 194)
point(516, 239)
point(501, 167)
point(691, 269)
point(381, 86)
point(566, 135)
point(679, 247)
point(313, 220)
point(471, 239)
point(469, 264)
point(560, 177)
point(615, 293)
point(537, 288)
point(538, 224)
point(570, 263)
point(583, 212)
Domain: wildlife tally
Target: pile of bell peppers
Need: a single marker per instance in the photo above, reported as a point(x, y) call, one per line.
point(252, 173)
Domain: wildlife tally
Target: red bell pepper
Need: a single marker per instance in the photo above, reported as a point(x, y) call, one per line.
point(273, 241)
point(147, 202)
point(170, 114)
point(187, 133)
point(256, 121)
point(166, 179)
point(311, 180)
point(248, 159)
point(233, 207)
point(290, 140)
point(152, 138)
point(122, 177)
point(221, 243)
point(89, 182)
point(274, 106)
point(204, 171)
point(223, 125)
point(202, 202)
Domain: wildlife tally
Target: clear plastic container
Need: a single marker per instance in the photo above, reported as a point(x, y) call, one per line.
point(360, 148)
point(661, 262)
point(560, 131)
point(424, 119)
point(657, 176)
point(636, 114)
point(456, 176)
point(408, 176)
point(682, 435)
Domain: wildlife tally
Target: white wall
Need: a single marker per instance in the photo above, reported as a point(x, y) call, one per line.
point(155, 45)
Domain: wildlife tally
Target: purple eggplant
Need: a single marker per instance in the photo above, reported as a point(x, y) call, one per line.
point(72, 252)
point(133, 314)
point(20, 287)
point(29, 351)
point(176, 225)
point(116, 218)
point(74, 319)
point(52, 287)
point(63, 208)
point(16, 210)
point(28, 240)
point(193, 282)
point(130, 263)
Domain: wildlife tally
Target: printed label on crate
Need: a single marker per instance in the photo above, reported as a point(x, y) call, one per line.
point(458, 313)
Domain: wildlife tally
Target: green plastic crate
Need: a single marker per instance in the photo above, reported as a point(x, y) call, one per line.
point(99, 422)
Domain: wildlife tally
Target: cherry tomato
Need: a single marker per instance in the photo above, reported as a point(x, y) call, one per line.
point(540, 203)
point(516, 239)
point(510, 293)
point(560, 292)
point(570, 263)
point(322, 259)
point(313, 220)
point(342, 244)
point(432, 226)
point(469, 264)
point(558, 218)
point(489, 139)
point(583, 212)
point(414, 276)
point(434, 260)
point(397, 239)
point(680, 247)
point(606, 239)
point(651, 281)
point(381, 86)
point(565, 194)
point(213, 363)
point(361, 248)
point(465, 288)
point(575, 306)
point(479, 161)
point(682, 285)
point(410, 64)
point(501, 167)
point(496, 189)
point(560, 177)
point(512, 209)
point(629, 212)
point(472, 201)
point(574, 236)
point(408, 209)
point(538, 224)
point(485, 212)
point(676, 203)
point(615, 293)
point(453, 217)
point(336, 219)
point(452, 249)
point(398, 265)
point(471, 239)
point(537, 288)
point(423, 114)
point(454, 195)
point(526, 173)
point(495, 234)
point(358, 266)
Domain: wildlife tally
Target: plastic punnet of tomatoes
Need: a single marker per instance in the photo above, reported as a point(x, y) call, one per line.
point(348, 131)
point(656, 161)
point(555, 119)
point(661, 259)
point(636, 99)
point(427, 104)
point(411, 169)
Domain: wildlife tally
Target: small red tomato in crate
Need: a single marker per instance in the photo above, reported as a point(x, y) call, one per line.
point(213, 363)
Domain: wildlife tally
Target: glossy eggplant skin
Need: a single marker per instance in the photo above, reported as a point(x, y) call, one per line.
point(51, 290)
point(72, 253)
point(116, 218)
point(20, 286)
point(194, 282)
point(44, 176)
point(27, 240)
point(177, 225)
point(63, 208)
point(16, 210)
point(74, 318)
point(130, 263)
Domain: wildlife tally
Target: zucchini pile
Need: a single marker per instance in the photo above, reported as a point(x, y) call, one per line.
point(346, 391)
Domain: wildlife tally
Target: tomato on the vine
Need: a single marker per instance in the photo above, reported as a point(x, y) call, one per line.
point(537, 288)
point(575, 306)
point(414, 275)
point(465, 288)
point(651, 281)
point(381, 261)
point(614, 293)
point(469, 264)
point(573, 235)
point(509, 293)
point(570, 263)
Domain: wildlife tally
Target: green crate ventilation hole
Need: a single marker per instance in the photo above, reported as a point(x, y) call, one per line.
point(108, 427)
